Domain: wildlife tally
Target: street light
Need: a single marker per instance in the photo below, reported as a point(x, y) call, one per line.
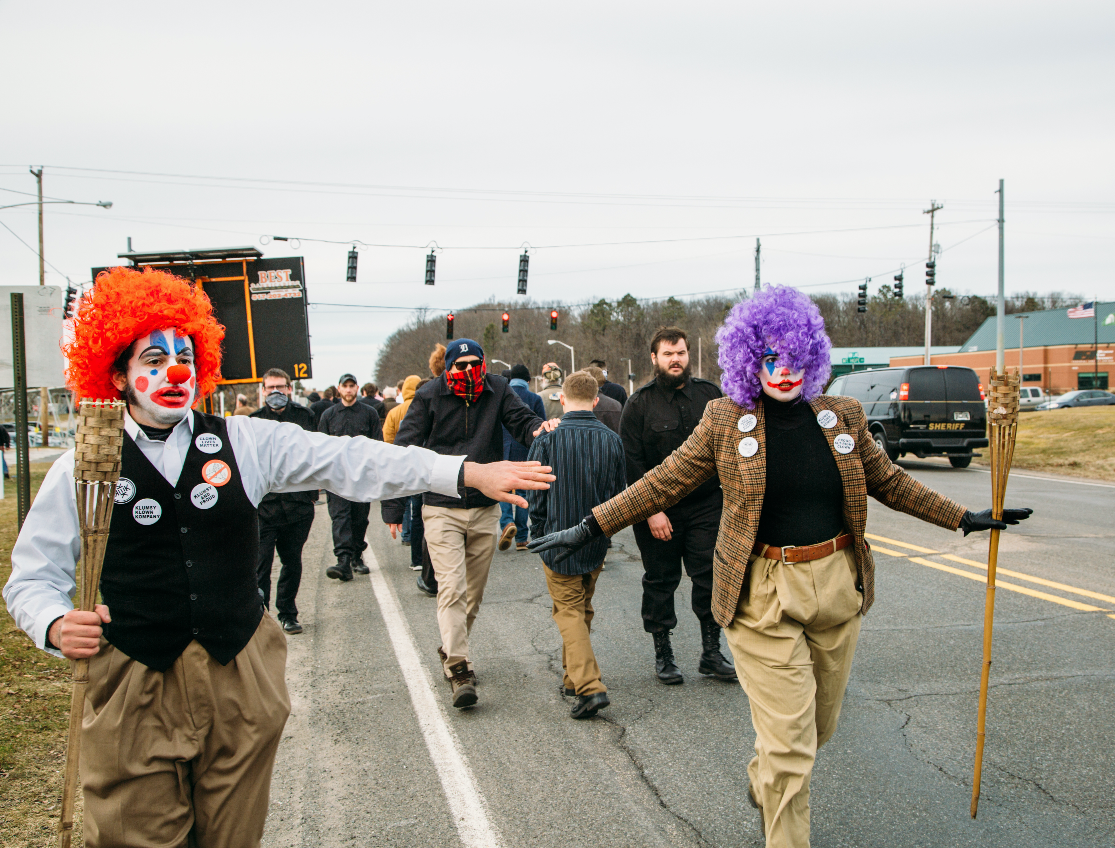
point(572, 361)
point(501, 362)
point(106, 204)
point(630, 378)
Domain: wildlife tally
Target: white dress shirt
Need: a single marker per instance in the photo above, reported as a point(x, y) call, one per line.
point(272, 456)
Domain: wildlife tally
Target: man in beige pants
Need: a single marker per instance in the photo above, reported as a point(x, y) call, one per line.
point(462, 412)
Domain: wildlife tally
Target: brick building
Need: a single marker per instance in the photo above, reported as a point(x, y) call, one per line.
point(1058, 353)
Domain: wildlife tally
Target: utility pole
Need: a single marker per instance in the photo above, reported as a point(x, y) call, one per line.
point(758, 247)
point(42, 265)
point(931, 212)
point(44, 393)
point(1021, 320)
point(1000, 303)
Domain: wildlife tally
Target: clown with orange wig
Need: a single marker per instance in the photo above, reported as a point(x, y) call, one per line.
point(187, 697)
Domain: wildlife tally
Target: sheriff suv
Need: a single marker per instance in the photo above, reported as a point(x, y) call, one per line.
point(925, 410)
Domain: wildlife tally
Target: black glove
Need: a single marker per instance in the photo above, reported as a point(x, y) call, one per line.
point(983, 520)
point(568, 541)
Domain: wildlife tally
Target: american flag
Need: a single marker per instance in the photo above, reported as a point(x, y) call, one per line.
point(1085, 310)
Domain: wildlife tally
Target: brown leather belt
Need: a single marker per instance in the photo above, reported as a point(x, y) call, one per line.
point(804, 553)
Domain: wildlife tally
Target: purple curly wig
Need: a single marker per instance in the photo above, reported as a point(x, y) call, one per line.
point(780, 318)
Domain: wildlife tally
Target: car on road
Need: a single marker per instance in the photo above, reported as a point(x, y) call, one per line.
point(1079, 397)
point(924, 410)
point(1031, 397)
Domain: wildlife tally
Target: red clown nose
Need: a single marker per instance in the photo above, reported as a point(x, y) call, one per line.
point(178, 373)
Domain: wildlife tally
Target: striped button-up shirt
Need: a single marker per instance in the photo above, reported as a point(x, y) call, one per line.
point(587, 459)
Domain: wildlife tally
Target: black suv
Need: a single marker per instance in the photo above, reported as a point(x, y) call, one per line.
point(927, 410)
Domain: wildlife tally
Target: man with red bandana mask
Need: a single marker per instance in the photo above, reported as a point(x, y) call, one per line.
point(462, 411)
point(187, 698)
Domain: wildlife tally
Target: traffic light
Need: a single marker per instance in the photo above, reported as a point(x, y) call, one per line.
point(431, 260)
point(71, 300)
point(898, 285)
point(862, 300)
point(449, 326)
point(506, 322)
point(524, 261)
point(930, 272)
point(351, 277)
point(553, 319)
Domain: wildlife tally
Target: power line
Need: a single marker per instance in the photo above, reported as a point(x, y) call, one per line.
point(29, 247)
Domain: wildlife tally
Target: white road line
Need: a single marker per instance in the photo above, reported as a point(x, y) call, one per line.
point(465, 802)
point(1051, 479)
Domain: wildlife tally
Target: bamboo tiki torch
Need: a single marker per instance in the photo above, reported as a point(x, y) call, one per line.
point(97, 446)
point(1002, 409)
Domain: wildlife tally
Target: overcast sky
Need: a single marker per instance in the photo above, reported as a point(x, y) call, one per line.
point(824, 128)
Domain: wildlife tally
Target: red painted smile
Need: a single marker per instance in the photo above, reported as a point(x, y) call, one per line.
point(174, 397)
point(785, 385)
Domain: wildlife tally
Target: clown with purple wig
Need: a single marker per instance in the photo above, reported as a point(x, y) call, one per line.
point(793, 574)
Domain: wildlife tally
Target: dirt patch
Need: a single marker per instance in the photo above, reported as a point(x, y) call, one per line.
point(34, 716)
point(1072, 442)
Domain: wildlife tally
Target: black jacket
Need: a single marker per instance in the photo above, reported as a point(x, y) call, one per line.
point(444, 423)
point(377, 405)
point(657, 421)
point(287, 507)
point(356, 420)
point(615, 391)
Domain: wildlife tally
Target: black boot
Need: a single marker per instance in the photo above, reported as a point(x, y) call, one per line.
point(664, 666)
point(358, 566)
point(712, 661)
point(342, 570)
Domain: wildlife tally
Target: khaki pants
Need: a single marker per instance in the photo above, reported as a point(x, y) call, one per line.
point(462, 543)
point(793, 639)
point(572, 611)
point(183, 757)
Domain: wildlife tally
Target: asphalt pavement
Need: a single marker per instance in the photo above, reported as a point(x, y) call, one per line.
point(373, 754)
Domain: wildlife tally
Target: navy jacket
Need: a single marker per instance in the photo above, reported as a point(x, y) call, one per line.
point(512, 449)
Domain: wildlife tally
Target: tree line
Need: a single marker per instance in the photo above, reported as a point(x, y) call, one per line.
point(620, 331)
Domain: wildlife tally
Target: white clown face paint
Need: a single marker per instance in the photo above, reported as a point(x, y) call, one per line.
point(778, 381)
point(161, 382)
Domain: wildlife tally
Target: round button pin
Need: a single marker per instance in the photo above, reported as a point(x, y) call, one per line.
point(147, 511)
point(125, 490)
point(844, 443)
point(826, 418)
point(748, 447)
point(204, 496)
point(747, 423)
point(208, 443)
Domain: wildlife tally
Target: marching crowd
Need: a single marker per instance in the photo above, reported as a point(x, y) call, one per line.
point(758, 489)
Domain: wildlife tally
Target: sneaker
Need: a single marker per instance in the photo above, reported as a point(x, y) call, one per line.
point(507, 536)
point(463, 686)
point(587, 705)
point(358, 566)
point(520, 546)
point(416, 566)
point(290, 624)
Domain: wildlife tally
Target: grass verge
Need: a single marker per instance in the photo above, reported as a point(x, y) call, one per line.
point(1073, 442)
point(34, 716)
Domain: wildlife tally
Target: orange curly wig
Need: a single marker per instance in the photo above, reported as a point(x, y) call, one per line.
point(126, 304)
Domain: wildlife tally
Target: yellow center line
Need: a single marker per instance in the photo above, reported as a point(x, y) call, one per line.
point(1076, 605)
point(876, 549)
point(917, 548)
point(1087, 593)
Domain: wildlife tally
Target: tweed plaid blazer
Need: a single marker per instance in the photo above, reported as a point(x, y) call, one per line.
point(714, 448)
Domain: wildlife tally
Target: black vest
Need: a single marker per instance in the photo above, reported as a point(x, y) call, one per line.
point(180, 561)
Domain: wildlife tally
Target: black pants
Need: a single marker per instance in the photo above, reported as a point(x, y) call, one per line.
point(288, 540)
point(350, 525)
point(417, 530)
point(692, 542)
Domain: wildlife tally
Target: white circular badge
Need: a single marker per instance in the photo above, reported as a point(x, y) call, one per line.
point(748, 447)
point(844, 443)
point(208, 443)
point(827, 418)
point(125, 490)
point(147, 511)
point(747, 423)
point(204, 495)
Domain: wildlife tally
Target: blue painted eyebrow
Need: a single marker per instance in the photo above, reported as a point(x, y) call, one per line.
point(159, 340)
point(179, 342)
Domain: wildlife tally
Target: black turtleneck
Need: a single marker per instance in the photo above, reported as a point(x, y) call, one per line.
point(804, 499)
point(156, 434)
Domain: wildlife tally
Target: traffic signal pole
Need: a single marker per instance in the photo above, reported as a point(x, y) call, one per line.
point(931, 212)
